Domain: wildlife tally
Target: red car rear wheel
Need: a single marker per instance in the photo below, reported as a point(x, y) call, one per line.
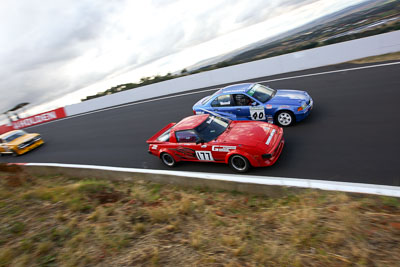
point(168, 160)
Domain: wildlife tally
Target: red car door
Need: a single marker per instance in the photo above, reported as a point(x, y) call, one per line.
point(187, 142)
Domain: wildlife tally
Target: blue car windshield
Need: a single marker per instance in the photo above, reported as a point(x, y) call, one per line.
point(212, 127)
point(261, 92)
point(210, 97)
point(206, 100)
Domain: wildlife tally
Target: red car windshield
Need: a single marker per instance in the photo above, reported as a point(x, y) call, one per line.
point(212, 127)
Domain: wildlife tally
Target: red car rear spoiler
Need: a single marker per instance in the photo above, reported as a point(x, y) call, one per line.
point(153, 139)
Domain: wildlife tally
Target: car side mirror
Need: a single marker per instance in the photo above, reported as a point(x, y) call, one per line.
point(199, 142)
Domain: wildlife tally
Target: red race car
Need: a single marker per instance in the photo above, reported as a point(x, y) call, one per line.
point(211, 138)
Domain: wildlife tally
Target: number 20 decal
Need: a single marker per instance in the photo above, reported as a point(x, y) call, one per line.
point(204, 155)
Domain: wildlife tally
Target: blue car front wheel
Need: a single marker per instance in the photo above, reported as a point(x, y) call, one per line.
point(284, 118)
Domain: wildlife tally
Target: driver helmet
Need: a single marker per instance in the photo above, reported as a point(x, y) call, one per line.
point(241, 100)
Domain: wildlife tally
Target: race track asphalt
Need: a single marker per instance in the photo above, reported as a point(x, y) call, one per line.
point(352, 134)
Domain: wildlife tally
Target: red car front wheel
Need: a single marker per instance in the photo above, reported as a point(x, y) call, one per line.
point(239, 163)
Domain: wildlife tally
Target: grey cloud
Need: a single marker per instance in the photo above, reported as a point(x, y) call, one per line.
point(32, 67)
point(260, 10)
point(60, 39)
point(162, 3)
point(177, 36)
point(34, 87)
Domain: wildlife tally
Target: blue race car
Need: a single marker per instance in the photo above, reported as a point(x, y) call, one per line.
point(252, 101)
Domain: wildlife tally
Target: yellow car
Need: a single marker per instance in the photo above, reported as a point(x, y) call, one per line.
point(19, 142)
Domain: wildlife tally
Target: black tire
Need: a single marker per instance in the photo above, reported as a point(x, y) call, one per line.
point(285, 118)
point(14, 154)
point(239, 163)
point(168, 160)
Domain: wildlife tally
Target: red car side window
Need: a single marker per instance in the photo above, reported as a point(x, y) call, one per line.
point(187, 136)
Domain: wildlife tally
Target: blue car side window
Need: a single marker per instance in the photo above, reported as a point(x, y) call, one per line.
point(242, 100)
point(215, 102)
point(222, 101)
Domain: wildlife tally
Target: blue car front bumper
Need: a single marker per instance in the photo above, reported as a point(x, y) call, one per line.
point(301, 115)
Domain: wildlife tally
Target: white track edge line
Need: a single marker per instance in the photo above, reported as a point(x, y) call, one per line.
point(383, 190)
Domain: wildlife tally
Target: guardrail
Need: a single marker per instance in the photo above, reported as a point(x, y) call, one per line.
point(272, 186)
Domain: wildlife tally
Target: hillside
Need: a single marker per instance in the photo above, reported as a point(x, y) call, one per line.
point(65, 221)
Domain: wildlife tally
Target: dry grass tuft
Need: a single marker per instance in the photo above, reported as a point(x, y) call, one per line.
point(139, 228)
point(230, 240)
point(196, 239)
point(159, 215)
point(186, 206)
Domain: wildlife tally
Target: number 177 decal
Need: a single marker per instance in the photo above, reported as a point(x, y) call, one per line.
point(204, 155)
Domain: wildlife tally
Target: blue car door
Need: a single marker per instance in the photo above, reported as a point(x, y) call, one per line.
point(248, 108)
point(257, 113)
point(223, 105)
point(242, 106)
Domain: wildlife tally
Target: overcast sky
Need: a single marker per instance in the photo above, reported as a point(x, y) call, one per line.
point(55, 52)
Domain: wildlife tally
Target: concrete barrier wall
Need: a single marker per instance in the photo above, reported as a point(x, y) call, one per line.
point(312, 58)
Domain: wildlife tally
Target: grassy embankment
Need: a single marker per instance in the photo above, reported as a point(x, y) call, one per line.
point(377, 59)
point(64, 221)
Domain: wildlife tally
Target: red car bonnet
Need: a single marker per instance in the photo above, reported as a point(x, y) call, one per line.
point(249, 133)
